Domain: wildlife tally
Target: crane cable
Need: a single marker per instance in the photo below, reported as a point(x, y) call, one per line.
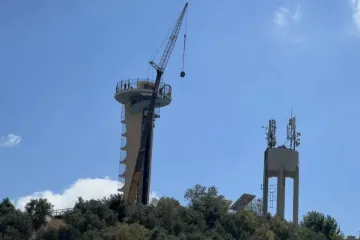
point(182, 74)
point(183, 60)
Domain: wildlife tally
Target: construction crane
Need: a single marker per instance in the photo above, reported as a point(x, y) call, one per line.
point(143, 158)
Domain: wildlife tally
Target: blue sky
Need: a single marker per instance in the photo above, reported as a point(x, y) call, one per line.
point(246, 62)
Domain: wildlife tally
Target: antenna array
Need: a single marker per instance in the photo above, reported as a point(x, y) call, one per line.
point(270, 132)
point(293, 137)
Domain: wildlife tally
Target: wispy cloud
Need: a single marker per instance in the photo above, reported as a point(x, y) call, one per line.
point(355, 6)
point(285, 18)
point(11, 140)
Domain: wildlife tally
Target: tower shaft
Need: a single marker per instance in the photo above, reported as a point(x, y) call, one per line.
point(281, 163)
point(135, 97)
point(134, 123)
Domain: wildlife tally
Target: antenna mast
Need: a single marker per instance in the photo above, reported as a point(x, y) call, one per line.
point(292, 135)
point(271, 133)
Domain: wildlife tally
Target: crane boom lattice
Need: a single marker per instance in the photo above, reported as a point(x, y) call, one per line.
point(170, 43)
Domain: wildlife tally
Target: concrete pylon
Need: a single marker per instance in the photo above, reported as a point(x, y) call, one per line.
point(281, 163)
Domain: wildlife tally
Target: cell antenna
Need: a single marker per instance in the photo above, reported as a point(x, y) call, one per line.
point(293, 137)
point(270, 133)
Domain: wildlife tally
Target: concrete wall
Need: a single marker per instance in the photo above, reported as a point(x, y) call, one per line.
point(282, 158)
point(133, 123)
point(133, 129)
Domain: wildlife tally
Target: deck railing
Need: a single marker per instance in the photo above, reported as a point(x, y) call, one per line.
point(60, 212)
point(123, 85)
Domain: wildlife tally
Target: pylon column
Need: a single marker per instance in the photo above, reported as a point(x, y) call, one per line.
point(296, 196)
point(280, 206)
point(265, 187)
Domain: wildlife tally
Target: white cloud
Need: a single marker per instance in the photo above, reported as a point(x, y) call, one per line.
point(280, 17)
point(87, 188)
point(10, 140)
point(296, 17)
point(285, 18)
point(355, 5)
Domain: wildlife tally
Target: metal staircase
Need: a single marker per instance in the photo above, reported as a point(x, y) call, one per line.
point(122, 162)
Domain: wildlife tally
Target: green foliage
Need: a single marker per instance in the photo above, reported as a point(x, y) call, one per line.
point(318, 222)
point(14, 224)
point(38, 210)
point(351, 238)
point(63, 232)
point(207, 217)
point(208, 202)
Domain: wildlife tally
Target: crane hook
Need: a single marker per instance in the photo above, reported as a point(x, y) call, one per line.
point(182, 74)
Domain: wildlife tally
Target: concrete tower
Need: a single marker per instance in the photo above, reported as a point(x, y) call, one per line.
point(134, 95)
point(282, 162)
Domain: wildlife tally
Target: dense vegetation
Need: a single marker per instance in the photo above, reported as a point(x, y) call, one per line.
point(207, 216)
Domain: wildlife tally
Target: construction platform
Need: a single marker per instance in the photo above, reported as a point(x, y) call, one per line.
point(137, 92)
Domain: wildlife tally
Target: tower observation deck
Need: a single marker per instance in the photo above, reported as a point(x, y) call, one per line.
point(134, 96)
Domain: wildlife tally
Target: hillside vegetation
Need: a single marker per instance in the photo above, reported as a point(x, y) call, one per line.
point(206, 217)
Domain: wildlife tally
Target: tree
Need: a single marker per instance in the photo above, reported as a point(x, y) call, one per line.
point(39, 210)
point(207, 217)
point(207, 201)
point(57, 229)
point(351, 238)
point(318, 222)
point(132, 232)
point(14, 224)
point(117, 204)
point(91, 216)
point(167, 211)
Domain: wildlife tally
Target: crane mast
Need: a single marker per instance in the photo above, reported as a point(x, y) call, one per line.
point(143, 157)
